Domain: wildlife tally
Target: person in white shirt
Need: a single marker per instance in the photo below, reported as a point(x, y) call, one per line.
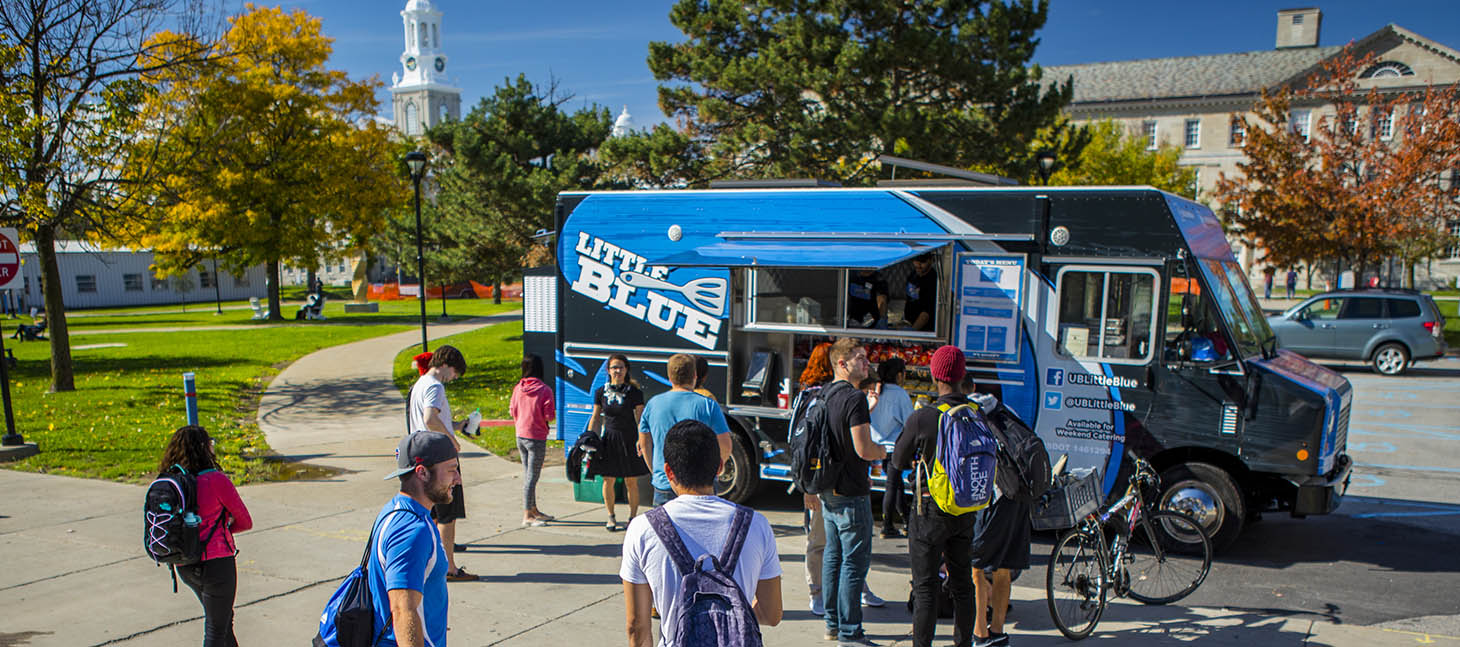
point(890, 407)
point(703, 520)
point(429, 412)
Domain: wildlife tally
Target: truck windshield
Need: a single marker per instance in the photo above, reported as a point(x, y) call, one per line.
point(1238, 305)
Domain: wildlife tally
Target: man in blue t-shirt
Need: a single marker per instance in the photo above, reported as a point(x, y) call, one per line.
point(680, 402)
point(407, 567)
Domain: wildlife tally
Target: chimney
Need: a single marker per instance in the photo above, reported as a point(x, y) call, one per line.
point(1298, 27)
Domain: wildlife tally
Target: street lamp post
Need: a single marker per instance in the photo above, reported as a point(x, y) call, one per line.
point(1046, 159)
point(416, 160)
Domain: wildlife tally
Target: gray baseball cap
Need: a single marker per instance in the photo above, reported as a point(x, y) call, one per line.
point(421, 448)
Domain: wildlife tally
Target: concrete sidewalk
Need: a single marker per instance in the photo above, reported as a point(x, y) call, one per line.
point(73, 573)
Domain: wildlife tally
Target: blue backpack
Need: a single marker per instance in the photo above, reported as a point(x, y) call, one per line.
point(961, 478)
point(711, 609)
point(349, 617)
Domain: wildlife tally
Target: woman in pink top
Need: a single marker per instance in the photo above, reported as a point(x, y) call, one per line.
point(222, 513)
point(532, 408)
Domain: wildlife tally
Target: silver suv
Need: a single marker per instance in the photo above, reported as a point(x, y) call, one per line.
point(1388, 328)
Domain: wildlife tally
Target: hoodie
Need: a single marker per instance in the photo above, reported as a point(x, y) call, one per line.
point(531, 408)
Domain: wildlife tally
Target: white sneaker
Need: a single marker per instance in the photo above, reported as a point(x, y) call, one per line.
point(870, 599)
point(817, 607)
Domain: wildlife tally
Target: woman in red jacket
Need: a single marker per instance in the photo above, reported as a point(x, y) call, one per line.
point(531, 408)
point(215, 579)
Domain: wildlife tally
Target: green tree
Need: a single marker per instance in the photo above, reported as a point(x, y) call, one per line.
point(500, 171)
point(70, 149)
point(278, 158)
point(1117, 157)
point(819, 88)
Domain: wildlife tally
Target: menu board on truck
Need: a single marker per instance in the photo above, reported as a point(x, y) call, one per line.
point(989, 305)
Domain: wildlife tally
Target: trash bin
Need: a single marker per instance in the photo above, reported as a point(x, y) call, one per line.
point(589, 489)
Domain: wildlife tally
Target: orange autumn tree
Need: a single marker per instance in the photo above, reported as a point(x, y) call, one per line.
point(1363, 182)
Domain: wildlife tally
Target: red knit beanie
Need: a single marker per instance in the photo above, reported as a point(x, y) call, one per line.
point(423, 362)
point(947, 365)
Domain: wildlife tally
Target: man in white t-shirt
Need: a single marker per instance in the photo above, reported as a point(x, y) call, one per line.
point(703, 520)
point(429, 412)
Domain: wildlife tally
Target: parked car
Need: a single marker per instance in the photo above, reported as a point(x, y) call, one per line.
point(1388, 328)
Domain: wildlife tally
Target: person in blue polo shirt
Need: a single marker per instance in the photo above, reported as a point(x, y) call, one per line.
point(680, 402)
point(407, 568)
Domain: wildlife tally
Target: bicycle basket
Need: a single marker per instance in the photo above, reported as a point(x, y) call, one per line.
point(1064, 506)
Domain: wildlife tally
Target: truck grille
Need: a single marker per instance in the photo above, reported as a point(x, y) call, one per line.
point(1340, 432)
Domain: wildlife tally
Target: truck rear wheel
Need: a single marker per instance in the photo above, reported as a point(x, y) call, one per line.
point(740, 477)
point(1209, 495)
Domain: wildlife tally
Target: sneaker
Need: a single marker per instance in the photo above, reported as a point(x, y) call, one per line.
point(891, 533)
point(460, 576)
point(458, 548)
point(830, 634)
point(993, 640)
point(870, 599)
point(859, 641)
point(534, 523)
point(818, 608)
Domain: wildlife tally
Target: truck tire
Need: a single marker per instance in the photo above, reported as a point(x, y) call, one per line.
point(741, 477)
point(1208, 494)
point(1390, 359)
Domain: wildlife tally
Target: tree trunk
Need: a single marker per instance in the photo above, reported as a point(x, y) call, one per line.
point(443, 301)
point(1409, 274)
point(62, 372)
point(274, 306)
point(310, 276)
point(497, 289)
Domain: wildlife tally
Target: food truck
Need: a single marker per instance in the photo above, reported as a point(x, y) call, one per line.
point(1110, 319)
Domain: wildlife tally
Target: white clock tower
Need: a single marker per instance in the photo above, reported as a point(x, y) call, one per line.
point(420, 94)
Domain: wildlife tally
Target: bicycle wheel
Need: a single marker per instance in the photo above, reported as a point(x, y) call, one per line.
point(1168, 557)
point(1074, 583)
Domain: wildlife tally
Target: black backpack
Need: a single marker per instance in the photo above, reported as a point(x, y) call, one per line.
point(815, 464)
point(170, 524)
point(1024, 473)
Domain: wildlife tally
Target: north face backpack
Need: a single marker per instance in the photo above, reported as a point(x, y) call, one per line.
point(170, 524)
point(961, 478)
point(1024, 472)
point(711, 609)
point(815, 464)
point(349, 616)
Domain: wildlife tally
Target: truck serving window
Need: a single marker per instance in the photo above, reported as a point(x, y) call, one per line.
point(798, 296)
point(1123, 299)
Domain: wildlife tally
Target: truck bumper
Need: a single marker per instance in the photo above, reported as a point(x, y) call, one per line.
point(1322, 494)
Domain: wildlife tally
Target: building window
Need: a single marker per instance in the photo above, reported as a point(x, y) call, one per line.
point(1298, 19)
point(86, 283)
point(1148, 130)
point(1301, 122)
point(132, 282)
point(1453, 253)
point(205, 279)
point(1238, 136)
point(1106, 315)
point(1386, 69)
point(1195, 179)
point(1384, 125)
point(158, 283)
point(435, 36)
point(1193, 133)
point(413, 118)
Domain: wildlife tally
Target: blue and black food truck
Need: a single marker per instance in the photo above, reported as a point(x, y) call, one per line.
point(1108, 318)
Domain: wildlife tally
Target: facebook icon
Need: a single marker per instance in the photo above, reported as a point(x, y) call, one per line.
point(1055, 377)
point(1053, 399)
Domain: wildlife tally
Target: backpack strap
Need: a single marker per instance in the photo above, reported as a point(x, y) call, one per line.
point(669, 536)
point(739, 530)
point(365, 565)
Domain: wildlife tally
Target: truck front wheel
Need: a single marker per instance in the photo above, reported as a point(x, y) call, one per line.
point(1208, 494)
point(740, 477)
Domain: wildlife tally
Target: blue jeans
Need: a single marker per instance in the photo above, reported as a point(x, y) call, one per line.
point(848, 521)
point(662, 497)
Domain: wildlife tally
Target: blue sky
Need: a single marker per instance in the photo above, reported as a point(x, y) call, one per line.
point(596, 50)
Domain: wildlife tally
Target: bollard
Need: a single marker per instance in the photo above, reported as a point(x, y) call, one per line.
point(190, 395)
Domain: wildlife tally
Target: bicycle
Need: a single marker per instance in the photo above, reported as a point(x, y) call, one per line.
point(1149, 550)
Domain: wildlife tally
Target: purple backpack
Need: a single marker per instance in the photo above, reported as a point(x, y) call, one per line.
point(711, 608)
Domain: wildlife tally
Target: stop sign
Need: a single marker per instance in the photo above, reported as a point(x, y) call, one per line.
point(9, 259)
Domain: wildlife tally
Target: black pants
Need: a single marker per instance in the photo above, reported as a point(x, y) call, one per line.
point(892, 497)
point(215, 581)
point(934, 538)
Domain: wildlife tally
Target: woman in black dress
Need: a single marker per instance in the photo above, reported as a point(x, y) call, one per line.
point(616, 410)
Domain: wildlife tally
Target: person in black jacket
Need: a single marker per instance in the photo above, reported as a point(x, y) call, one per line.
point(934, 536)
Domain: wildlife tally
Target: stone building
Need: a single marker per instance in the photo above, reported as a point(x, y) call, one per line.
point(1191, 100)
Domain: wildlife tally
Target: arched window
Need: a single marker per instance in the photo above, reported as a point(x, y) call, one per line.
point(423, 40)
point(435, 36)
point(412, 118)
point(1386, 69)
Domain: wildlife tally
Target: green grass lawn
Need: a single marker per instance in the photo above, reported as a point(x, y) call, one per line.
point(128, 400)
point(493, 364)
point(391, 312)
point(1451, 311)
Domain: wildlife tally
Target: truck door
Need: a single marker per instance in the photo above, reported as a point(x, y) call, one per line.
point(1198, 384)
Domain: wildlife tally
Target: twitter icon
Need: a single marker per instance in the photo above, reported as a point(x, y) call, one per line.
point(1053, 399)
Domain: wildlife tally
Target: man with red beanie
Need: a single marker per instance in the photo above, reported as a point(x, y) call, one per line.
point(934, 536)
